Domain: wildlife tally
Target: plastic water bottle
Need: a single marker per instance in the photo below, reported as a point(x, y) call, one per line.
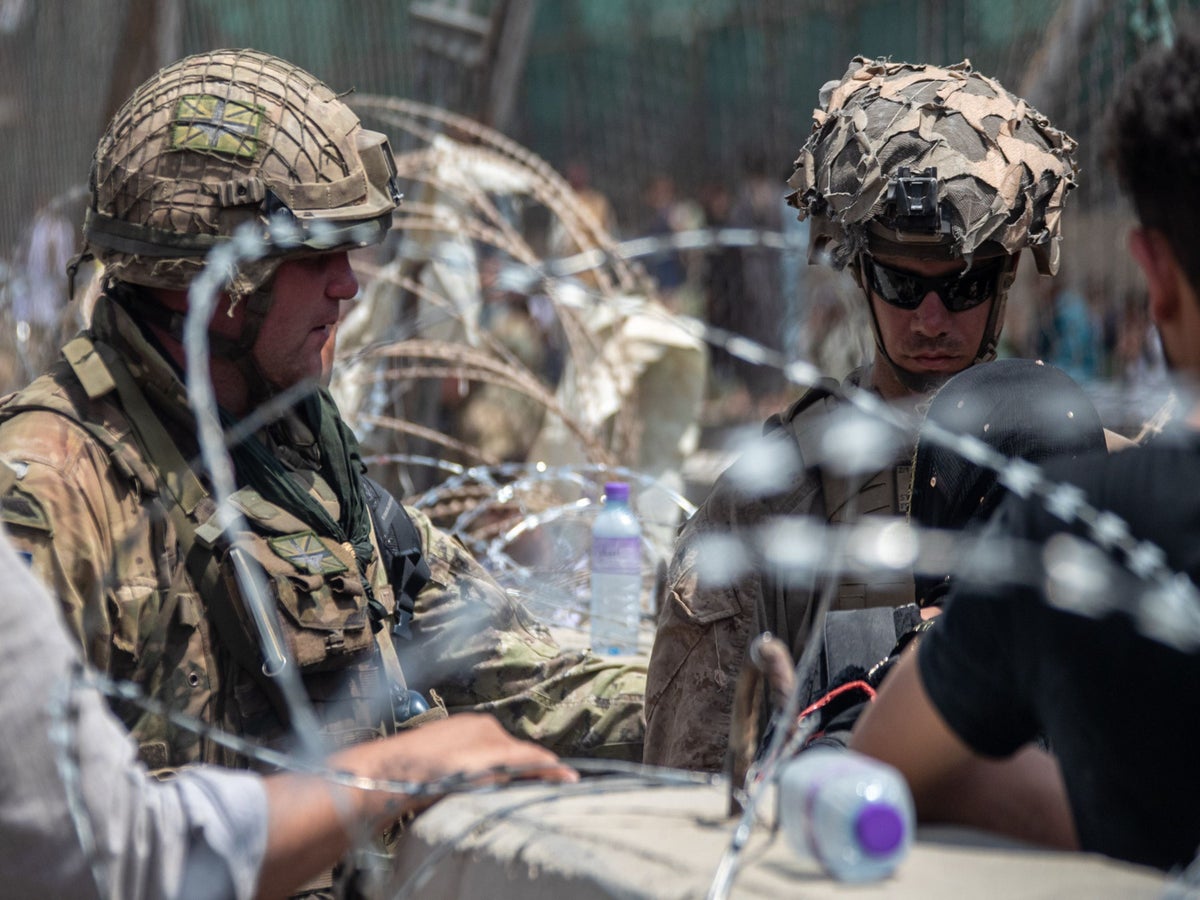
point(852, 814)
point(616, 574)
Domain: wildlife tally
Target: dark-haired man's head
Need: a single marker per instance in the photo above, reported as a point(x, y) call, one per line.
point(1020, 408)
point(1155, 144)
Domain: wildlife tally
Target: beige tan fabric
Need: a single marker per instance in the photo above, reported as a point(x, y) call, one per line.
point(704, 630)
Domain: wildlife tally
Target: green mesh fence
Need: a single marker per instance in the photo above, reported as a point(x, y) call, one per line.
point(691, 89)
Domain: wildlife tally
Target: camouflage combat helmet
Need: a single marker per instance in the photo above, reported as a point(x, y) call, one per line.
point(931, 162)
point(228, 137)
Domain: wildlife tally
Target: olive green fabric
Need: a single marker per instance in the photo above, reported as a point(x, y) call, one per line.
point(340, 465)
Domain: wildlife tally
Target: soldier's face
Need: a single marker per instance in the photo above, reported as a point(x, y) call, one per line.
point(303, 315)
point(930, 339)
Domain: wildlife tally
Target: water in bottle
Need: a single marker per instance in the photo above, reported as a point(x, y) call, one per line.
point(852, 814)
point(616, 574)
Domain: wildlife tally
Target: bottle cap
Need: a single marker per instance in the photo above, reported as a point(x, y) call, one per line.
point(616, 490)
point(880, 828)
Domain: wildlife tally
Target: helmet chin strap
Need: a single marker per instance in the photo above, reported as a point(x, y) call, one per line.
point(241, 350)
point(924, 383)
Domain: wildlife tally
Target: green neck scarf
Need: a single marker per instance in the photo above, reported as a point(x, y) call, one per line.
point(341, 467)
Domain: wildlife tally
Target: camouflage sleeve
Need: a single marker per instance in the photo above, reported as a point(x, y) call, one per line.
point(480, 650)
point(56, 514)
point(701, 639)
point(704, 631)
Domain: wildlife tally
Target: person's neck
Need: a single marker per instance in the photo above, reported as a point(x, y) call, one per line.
point(228, 381)
point(883, 381)
point(1191, 402)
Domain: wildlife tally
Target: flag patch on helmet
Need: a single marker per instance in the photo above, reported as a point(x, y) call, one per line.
point(305, 551)
point(216, 125)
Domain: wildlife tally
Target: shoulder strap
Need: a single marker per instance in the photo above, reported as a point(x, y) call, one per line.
point(826, 387)
point(62, 392)
point(100, 371)
point(804, 422)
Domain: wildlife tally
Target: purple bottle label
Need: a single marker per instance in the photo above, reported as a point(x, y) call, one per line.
point(617, 555)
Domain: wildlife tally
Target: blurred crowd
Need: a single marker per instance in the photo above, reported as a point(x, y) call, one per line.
point(742, 270)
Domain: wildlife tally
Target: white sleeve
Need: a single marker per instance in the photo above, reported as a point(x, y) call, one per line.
point(79, 816)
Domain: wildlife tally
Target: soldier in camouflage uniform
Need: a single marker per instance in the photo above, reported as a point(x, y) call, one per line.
point(117, 517)
point(928, 183)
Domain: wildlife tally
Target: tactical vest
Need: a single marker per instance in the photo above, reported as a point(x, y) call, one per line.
point(350, 672)
point(845, 500)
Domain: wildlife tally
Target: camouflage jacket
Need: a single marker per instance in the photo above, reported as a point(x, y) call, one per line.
point(704, 630)
point(92, 515)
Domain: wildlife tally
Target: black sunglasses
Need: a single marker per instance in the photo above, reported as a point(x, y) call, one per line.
point(958, 291)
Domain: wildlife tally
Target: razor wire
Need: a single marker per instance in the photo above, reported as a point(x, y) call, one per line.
point(1019, 476)
point(300, 764)
point(220, 267)
point(1168, 612)
point(1174, 596)
point(759, 539)
point(612, 775)
point(729, 864)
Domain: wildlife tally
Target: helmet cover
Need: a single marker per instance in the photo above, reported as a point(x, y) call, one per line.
point(224, 138)
point(987, 171)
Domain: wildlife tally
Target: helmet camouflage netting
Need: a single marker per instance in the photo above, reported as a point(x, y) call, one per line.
point(1002, 170)
point(228, 137)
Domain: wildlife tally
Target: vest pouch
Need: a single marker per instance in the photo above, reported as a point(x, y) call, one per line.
point(318, 593)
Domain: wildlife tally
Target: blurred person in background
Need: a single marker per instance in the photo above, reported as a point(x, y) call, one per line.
point(666, 214)
point(759, 312)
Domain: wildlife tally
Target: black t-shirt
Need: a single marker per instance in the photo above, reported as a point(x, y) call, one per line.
point(1121, 711)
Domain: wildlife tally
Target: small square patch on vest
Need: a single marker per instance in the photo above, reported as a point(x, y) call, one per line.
point(306, 552)
point(216, 125)
point(20, 508)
